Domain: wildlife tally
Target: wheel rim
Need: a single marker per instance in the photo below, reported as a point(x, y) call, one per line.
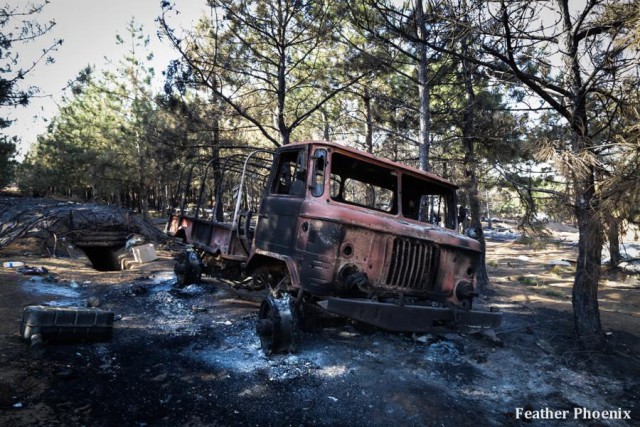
point(181, 270)
point(186, 272)
point(277, 325)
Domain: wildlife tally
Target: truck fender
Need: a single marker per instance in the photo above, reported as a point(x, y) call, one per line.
point(262, 257)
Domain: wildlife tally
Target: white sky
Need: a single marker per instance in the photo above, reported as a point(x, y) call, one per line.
point(88, 28)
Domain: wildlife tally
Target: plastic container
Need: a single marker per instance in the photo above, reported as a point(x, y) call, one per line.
point(66, 324)
point(13, 264)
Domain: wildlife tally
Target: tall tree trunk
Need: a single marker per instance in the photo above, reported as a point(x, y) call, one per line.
point(167, 197)
point(326, 126)
point(423, 93)
point(142, 179)
point(585, 287)
point(471, 178)
point(285, 132)
point(366, 97)
point(217, 173)
point(423, 88)
point(613, 236)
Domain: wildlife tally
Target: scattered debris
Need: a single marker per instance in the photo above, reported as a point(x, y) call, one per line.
point(559, 263)
point(13, 264)
point(138, 289)
point(169, 364)
point(100, 231)
point(93, 302)
point(632, 267)
point(425, 339)
point(135, 255)
point(501, 235)
point(198, 309)
point(32, 271)
point(65, 324)
point(545, 346)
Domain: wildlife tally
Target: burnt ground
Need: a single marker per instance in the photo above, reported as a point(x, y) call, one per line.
point(191, 357)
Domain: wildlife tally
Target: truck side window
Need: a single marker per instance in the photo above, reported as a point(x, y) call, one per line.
point(289, 178)
point(320, 161)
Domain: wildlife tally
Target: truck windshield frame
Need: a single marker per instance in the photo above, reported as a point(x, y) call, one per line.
point(428, 201)
point(373, 186)
point(365, 184)
point(289, 178)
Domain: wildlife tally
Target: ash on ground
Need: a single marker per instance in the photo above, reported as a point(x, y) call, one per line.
point(191, 356)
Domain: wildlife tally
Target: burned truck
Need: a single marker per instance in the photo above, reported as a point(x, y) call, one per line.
point(321, 225)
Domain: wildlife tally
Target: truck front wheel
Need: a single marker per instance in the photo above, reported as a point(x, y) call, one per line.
point(277, 325)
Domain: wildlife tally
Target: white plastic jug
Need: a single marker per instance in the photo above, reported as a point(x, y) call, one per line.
point(13, 264)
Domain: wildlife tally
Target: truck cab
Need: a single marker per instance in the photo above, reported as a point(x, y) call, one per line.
point(359, 236)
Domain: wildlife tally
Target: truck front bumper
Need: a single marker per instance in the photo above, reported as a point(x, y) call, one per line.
point(410, 318)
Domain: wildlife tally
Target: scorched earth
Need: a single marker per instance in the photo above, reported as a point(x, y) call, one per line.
point(191, 356)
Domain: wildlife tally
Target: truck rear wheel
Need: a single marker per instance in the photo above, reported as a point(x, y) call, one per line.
point(188, 268)
point(277, 325)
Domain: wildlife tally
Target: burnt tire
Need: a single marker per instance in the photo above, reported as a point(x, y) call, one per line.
point(188, 269)
point(277, 326)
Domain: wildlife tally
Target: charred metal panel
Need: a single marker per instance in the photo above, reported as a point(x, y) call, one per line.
point(201, 232)
point(365, 250)
point(277, 224)
point(455, 265)
point(324, 237)
point(317, 274)
point(378, 222)
point(178, 224)
point(181, 226)
point(319, 255)
point(221, 237)
point(413, 264)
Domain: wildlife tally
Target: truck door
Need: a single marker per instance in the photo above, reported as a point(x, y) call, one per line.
point(280, 206)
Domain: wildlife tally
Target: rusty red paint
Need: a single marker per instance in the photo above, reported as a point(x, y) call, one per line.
point(345, 224)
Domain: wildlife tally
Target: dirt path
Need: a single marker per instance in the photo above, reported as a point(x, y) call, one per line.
point(191, 356)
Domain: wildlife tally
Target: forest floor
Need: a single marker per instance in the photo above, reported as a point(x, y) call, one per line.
point(191, 356)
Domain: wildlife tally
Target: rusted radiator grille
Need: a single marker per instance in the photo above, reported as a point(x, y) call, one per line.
point(412, 265)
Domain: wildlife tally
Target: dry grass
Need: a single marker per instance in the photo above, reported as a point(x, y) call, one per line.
point(523, 273)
